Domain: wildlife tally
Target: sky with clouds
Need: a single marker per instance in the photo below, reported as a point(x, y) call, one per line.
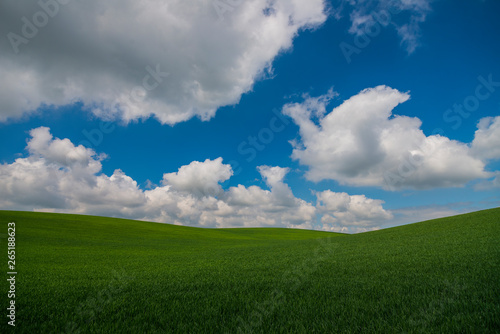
point(336, 115)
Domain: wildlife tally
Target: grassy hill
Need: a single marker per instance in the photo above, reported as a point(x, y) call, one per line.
point(83, 274)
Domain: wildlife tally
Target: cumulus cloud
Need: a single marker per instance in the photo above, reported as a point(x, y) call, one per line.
point(362, 143)
point(59, 176)
point(406, 16)
point(173, 60)
point(340, 211)
point(486, 143)
point(200, 178)
point(62, 152)
point(270, 206)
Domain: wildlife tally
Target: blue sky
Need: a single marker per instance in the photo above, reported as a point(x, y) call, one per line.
point(244, 92)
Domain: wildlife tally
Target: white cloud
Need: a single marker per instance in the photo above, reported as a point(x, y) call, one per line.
point(405, 16)
point(61, 152)
point(58, 176)
point(486, 143)
point(341, 211)
point(132, 59)
point(200, 178)
point(362, 143)
point(270, 208)
point(410, 32)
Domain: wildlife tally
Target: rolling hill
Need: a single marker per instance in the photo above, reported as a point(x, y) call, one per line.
point(86, 274)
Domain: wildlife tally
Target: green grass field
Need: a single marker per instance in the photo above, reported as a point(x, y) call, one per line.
point(83, 274)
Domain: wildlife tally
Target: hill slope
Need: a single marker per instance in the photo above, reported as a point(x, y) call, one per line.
point(103, 275)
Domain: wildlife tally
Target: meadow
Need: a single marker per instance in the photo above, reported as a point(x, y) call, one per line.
point(86, 274)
